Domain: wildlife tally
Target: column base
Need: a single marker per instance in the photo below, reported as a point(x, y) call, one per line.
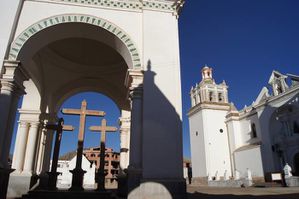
point(52, 180)
point(4, 179)
point(134, 177)
point(20, 184)
point(43, 181)
point(77, 181)
point(160, 189)
point(122, 189)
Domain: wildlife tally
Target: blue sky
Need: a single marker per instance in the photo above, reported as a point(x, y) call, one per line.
point(243, 40)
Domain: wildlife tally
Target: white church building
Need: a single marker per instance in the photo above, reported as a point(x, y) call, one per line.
point(262, 137)
point(65, 179)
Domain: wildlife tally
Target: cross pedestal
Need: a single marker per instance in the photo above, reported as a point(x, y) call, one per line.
point(101, 171)
point(78, 172)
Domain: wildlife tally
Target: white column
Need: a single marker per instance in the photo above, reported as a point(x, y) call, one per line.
point(11, 89)
point(20, 146)
point(124, 148)
point(41, 150)
point(125, 123)
point(31, 148)
point(47, 152)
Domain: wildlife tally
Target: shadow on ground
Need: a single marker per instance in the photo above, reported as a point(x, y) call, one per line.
point(197, 195)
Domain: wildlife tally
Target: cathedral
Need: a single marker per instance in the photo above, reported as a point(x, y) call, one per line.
point(262, 137)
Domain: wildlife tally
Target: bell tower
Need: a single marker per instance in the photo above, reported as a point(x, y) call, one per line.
point(208, 131)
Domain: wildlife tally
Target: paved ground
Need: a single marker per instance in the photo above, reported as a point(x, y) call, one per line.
point(242, 193)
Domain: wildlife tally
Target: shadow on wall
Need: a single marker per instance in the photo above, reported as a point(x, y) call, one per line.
point(197, 195)
point(162, 161)
point(271, 123)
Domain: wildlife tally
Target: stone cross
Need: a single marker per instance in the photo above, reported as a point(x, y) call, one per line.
point(101, 172)
point(59, 128)
point(78, 172)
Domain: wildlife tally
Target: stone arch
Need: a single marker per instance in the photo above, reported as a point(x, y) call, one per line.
point(72, 89)
point(19, 42)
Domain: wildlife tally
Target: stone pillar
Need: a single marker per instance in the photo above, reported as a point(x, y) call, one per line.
point(31, 148)
point(47, 152)
point(125, 122)
point(20, 147)
point(12, 88)
point(41, 150)
point(136, 96)
point(44, 156)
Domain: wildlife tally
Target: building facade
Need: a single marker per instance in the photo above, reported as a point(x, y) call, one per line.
point(112, 162)
point(261, 137)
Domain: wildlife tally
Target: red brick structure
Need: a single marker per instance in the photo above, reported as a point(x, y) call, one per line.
point(111, 163)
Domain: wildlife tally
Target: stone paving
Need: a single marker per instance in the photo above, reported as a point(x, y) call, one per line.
point(243, 193)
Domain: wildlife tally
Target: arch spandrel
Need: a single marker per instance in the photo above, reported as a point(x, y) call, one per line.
point(20, 41)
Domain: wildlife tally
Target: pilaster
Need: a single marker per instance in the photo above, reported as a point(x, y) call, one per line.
point(134, 82)
point(11, 89)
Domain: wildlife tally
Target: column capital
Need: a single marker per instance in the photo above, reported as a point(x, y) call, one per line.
point(34, 124)
point(49, 117)
point(13, 77)
point(136, 93)
point(134, 78)
point(23, 124)
point(123, 120)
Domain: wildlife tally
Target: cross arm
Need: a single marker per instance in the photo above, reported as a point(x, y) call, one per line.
point(95, 113)
point(69, 111)
point(68, 128)
point(101, 128)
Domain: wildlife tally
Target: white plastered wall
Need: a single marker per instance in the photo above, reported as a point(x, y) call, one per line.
point(250, 159)
point(197, 143)
point(216, 143)
point(162, 97)
point(8, 10)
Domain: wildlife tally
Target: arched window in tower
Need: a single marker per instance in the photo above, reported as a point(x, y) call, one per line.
point(220, 97)
point(253, 131)
point(211, 96)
